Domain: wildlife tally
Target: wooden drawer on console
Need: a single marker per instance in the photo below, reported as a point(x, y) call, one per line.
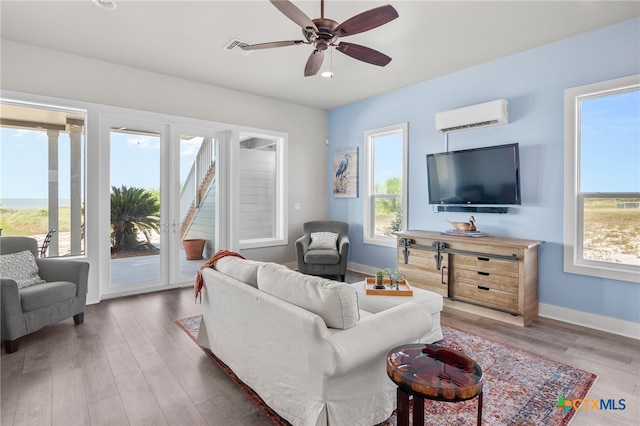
point(486, 264)
point(421, 271)
point(486, 296)
point(441, 289)
point(486, 279)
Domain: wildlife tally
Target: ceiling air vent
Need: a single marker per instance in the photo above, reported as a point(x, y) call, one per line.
point(236, 45)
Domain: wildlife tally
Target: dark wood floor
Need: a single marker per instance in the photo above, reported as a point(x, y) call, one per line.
point(130, 364)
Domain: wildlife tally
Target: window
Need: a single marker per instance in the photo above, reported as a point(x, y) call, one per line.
point(42, 174)
point(261, 205)
point(385, 171)
point(602, 179)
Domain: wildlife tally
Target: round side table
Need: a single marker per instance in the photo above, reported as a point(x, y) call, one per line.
point(432, 372)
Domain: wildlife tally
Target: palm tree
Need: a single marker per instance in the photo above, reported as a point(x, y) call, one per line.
point(132, 210)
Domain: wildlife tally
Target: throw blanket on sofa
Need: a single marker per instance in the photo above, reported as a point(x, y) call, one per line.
point(211, 263)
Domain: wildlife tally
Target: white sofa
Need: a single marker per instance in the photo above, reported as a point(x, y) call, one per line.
point(303, 344)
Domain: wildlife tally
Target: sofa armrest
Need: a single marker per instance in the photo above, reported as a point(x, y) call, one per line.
point(56, 269)
point(373, 337)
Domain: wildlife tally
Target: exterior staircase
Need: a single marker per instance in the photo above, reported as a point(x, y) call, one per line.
point(200, 178)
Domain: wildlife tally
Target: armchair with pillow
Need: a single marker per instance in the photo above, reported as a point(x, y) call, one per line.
point(324, 248)
point(37, 292)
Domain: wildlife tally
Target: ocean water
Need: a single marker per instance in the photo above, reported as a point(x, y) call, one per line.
point(30, 203)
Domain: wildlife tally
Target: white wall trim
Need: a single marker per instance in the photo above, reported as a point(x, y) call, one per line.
point(594, 321)
point(369, 183)
point(362, 269)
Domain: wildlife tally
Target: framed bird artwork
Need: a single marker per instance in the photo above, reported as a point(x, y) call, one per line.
point(345, 176)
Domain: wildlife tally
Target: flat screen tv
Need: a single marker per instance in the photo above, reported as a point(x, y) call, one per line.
point(481, 176)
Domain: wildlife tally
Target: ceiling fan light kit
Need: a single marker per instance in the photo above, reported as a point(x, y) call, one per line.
point(104, 4)
point(323, 33)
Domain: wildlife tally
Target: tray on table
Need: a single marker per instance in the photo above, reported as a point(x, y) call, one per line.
point(404, 289)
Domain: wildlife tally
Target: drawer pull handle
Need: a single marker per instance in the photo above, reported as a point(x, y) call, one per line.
point(486, 274)
point(484, 259)
point(484, 288)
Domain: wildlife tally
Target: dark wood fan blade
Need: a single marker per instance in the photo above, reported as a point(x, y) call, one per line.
point(363, 53)
point(271, 44)
point(366, 21)
point(314, 63)
point(292, 12)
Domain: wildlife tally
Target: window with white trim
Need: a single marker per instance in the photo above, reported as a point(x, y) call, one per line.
point(385, 188)
point(261, 164)
point(602, 179)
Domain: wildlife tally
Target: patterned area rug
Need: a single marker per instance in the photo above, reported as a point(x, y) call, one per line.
point(520, 388)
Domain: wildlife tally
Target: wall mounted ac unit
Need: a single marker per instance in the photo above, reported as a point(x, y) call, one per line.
point(491, 113)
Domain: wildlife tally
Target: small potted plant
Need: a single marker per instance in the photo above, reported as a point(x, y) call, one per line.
point(380, 278)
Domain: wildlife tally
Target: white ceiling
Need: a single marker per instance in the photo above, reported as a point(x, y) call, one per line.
point(185, 39)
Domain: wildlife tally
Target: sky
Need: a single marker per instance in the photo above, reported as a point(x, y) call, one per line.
point(388, 157)
point(610, 143)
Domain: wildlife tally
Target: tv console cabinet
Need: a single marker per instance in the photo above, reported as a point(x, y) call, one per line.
point(490, 276)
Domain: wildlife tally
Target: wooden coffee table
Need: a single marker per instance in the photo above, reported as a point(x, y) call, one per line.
point(432, 372)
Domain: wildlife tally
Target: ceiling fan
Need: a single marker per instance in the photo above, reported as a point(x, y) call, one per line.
point(323, 33)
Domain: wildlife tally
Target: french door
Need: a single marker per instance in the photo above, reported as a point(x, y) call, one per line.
point(163, 189)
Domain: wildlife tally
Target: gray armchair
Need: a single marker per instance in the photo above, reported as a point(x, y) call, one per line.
point(61, 296)
point(323, 261)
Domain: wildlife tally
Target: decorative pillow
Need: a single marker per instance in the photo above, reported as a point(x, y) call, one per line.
point(21, 267)
point(323, 240)
point(335, 302)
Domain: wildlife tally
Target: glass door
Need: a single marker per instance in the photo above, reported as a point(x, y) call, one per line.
point(196, 218)
point(136, 223)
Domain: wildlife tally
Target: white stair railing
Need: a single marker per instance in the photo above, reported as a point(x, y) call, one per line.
point(189, 194)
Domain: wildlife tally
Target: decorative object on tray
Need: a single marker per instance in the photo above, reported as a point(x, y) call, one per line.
point(401, 288)
point(395, 277)
point(465, 226)
point(379, 284)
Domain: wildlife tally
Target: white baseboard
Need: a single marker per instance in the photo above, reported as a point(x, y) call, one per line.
point(586, 319)
point(362, 269)
point(571, 316)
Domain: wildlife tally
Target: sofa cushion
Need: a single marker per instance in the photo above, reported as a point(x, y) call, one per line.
point(322, 257)
point(335, 302)
point(46, 294)
point(241, 269)
point(323, 240)
point(21, 267)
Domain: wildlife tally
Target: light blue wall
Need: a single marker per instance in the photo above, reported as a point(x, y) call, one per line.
point(533, 82)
